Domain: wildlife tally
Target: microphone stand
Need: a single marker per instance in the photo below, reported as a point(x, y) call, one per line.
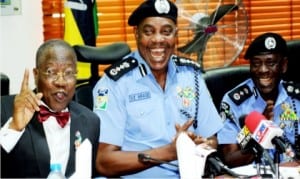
point(280, 148)
point(276, 161)
point(257, 151)
point(257, 163)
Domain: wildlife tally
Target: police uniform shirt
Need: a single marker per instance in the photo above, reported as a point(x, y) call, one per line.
point(286, 111)
point(137, 114)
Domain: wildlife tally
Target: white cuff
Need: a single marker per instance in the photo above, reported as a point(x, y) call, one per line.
point(9, 137)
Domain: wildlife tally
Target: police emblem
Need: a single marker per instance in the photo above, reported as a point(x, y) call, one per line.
point(270, 43)
point(102, 99)
point(162, 6)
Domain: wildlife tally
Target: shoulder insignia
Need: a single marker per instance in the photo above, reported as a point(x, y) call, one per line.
point(292, 89)
point(181, 61)
point(240, 94)
point(117, 70)
point(225, 112)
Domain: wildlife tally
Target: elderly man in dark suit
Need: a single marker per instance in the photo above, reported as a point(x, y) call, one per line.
point(44, 126)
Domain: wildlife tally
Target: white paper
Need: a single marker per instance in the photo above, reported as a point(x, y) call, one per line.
point(191, 157)
point(285, 172)
point(83, 161)
point(290, 172)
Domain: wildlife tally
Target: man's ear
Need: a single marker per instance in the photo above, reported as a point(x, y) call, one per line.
point(35, 74)
point(135, 31)
point(284, 64)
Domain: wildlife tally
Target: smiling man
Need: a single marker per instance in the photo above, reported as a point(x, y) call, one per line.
point(44, 126)
point(148, 98)
point(264, 92)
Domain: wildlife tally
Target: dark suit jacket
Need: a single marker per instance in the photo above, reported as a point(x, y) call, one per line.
point(31, 157)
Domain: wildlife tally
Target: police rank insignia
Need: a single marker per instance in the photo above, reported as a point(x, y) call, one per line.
point(118, 69)
point(181, 61)
point(292, 89)
point(187, 95)
point(102, 99)
point(240, 94)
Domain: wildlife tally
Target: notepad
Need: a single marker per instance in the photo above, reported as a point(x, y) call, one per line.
point(83, 161)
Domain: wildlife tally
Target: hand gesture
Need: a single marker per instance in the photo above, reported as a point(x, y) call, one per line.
point(25, 104)
point(268, 112)
point(211, 141)
point(180, 129)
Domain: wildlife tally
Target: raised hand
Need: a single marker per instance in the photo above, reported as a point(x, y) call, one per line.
point(211, 141)
point(268, 111)
point(179, 129)
point(25, 104)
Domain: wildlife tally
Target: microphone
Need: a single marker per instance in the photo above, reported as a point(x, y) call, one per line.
point(265, 132)
point(249, 144)
point(245, 140)
point(214, 166)
point(147, 158)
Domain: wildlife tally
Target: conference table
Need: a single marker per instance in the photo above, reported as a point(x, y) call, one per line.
point(286, 170)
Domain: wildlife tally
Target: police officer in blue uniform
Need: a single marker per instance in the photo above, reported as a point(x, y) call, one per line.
point(148, 98)
point(266, 93)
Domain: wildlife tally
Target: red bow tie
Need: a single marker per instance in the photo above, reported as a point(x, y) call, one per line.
point(61, 117)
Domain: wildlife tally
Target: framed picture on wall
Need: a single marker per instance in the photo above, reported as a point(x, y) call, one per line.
point(10, 7)
point(4, 2)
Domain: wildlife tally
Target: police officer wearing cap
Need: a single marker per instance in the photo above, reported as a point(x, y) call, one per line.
point(266, 93)
point(146, 99)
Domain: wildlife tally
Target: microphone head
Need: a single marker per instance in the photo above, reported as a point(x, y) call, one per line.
point(253, 119)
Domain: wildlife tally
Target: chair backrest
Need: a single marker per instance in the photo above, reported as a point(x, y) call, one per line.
point(4, 84)
point(221, 80)
point(292, 73)
point(96, 56)
point(84, 95)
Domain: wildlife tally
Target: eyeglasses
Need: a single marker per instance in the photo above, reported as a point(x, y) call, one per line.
point(68, 75)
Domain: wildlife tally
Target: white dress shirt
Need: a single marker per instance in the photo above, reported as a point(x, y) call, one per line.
point(58, 140)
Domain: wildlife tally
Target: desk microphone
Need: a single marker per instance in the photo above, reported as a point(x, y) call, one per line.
point(265, 132)
point(245, 140)
point(249, 144)
point(147, 158)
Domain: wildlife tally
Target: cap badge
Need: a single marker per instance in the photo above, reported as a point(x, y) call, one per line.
point(162, 6)
point(270, 43)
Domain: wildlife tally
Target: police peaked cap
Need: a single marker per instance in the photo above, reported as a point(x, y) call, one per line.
point(267, 43)
point(153, 8)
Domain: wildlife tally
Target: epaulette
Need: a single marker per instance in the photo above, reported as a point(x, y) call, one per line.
point(117, 70)
point(225, 112)
point(181, 61)
point(292, 89)
point(240, 94)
